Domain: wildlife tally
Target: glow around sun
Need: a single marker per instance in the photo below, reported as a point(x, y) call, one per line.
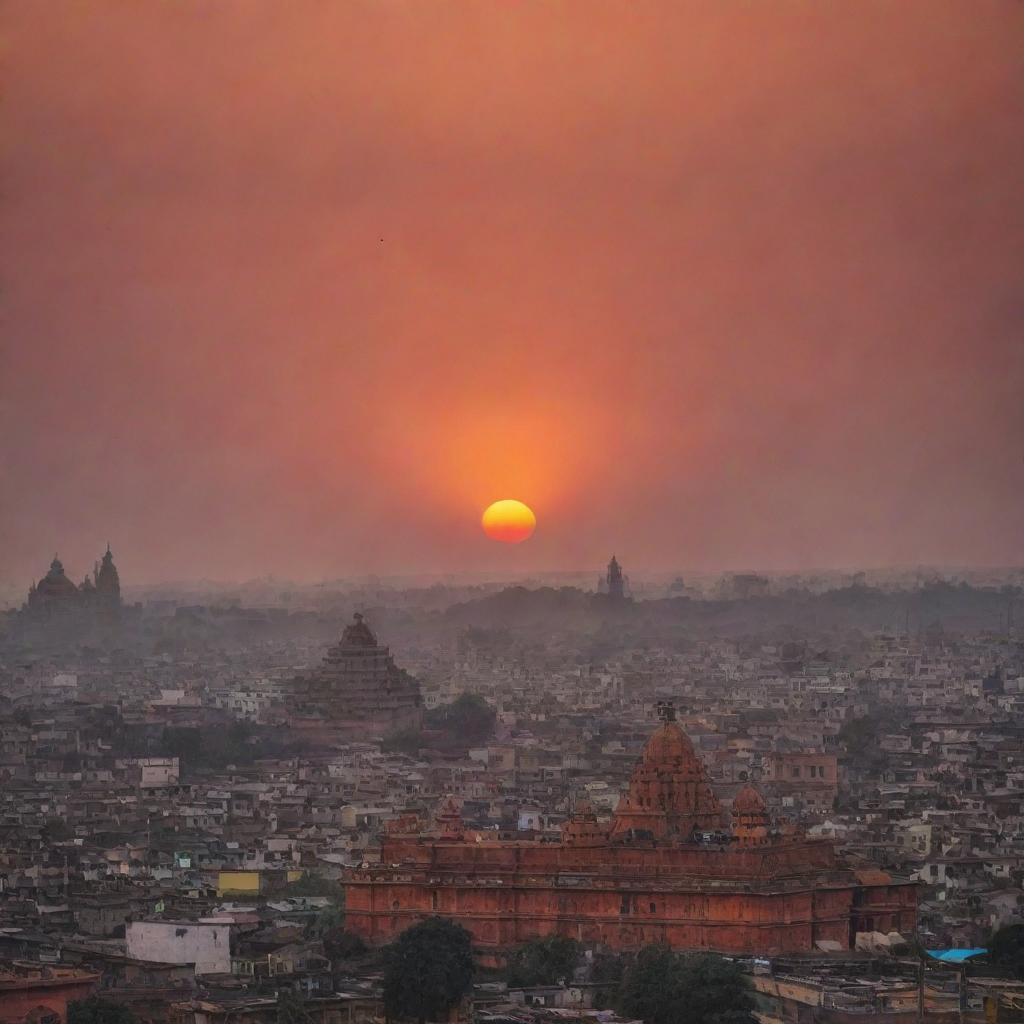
point(509, 521)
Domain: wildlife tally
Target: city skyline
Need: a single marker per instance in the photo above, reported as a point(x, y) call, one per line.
point(711, 286)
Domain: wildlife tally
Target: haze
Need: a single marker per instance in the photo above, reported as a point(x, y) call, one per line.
point(301, 288)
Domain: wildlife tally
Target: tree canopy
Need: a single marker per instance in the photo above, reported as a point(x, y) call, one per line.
point(662, 987)
point(97, 1010)
point(428, 970)
point(1006, 947)
point(545, 961)
point(469, 718)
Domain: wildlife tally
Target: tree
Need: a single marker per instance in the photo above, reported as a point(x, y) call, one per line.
point(428, 970)
point(606, 972)
point(97, 1010)
point(405, 741)
point(1006, 947)
point(291, 1008)
point(469, 718)
point(662, 987)
point(343, 945)
point(547, 961)
point(311, 884)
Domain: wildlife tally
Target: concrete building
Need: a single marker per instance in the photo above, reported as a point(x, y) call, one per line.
point(207, 944)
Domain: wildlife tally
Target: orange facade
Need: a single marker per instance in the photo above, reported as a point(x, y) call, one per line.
point(671, 867)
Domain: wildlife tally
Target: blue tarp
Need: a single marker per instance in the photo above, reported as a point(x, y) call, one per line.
point(954, 956)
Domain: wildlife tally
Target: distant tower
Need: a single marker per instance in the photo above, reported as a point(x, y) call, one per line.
point(108, 584)
point(615, 581)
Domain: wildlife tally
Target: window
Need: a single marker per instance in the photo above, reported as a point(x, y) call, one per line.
point(795, 771)
point(654, 907)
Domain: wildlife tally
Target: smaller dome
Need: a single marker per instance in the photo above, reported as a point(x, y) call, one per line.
point(749, 801)
point(668, 744)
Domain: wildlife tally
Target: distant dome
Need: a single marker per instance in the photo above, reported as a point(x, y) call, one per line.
point(748, 801)
point(668, 745)
point(55, 585)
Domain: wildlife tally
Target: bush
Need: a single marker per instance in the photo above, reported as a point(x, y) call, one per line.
point(548, 961)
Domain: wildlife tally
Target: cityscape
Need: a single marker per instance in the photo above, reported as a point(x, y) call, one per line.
point(512, 513)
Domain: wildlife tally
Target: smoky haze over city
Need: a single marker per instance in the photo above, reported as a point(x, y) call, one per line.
point(511, 512)
point(300, 289)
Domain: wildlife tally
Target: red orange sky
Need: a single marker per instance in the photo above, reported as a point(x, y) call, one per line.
point(300, 288)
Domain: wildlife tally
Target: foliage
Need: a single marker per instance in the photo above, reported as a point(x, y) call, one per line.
point(469, 718)
point(96, 1010)
point(607, 969)
point(662, 987)
point(56, 830)
point(547, 961)
point(405, 741)
point(1006, 947)
point(330, 919)
point(311, 884)
point(860, 735)
point(428, 970)
point(209, 747)
point(343, 945)
point(291, 1008)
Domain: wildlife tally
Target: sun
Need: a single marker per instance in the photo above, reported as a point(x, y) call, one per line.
point(509, 521)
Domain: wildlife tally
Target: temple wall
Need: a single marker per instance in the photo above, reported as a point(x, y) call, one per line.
point(770, 861)
point(508, 915)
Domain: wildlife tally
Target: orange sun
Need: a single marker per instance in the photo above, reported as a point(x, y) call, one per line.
point(508, 520)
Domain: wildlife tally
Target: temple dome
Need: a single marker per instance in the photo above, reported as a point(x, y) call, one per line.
point(668, 745)
point(749, 801)
point(358, 634)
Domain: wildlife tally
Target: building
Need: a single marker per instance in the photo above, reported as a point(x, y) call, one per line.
point(207, 944)
point(614, 584)
point(671, 867)
point(356, 691)
point(41, 993)
point(56, 597)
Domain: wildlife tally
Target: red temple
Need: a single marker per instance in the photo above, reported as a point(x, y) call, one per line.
point(672, 867)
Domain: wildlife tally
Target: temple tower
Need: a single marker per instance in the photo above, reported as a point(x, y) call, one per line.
point(669, 793)
point(615, 582)
point(751, 822)
point(108, 585)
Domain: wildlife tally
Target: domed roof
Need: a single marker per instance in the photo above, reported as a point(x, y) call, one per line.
point(668, 745)
point(749, 801)
point(55, 584)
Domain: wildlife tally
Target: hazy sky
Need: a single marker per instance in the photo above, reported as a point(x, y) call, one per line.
point(299, 287)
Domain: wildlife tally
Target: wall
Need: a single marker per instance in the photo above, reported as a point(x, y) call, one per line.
point(208, 946)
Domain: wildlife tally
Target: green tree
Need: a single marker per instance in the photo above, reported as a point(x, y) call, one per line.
point(428, 970)
point(311, 884)
point(606, 971)
point(1006, 947)
point(547, 961)
point(662, 987)
point(343, 945)
point(405, 741)
point(291, 1008)
point(469, 718)
point(97, 1010)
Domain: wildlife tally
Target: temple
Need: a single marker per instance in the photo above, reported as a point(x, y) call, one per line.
point(614, 584)
point(672, 866)
point(55, 597)
point(356, 691)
